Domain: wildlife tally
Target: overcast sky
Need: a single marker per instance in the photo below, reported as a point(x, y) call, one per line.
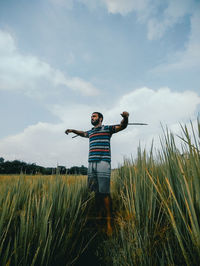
point(60, 60)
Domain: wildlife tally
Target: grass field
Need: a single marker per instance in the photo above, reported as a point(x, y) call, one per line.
point(45, 220)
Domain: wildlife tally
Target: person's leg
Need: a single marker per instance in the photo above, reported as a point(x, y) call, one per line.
point(108, 204)
point(92, 177)
point(99, 205)
point(108, 210)
point(94, 187)
point(103, 175)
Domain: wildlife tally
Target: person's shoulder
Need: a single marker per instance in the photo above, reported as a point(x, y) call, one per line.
point(110, 128)
point(105, 126)
point(90, 130)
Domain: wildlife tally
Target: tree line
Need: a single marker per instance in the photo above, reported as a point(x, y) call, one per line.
point(18, 167)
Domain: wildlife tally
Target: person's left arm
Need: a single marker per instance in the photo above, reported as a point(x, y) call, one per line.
point(124, 122)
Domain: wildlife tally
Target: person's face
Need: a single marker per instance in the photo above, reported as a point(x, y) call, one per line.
point(95, 119)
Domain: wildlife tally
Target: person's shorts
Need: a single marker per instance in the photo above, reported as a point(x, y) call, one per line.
point(99, 176)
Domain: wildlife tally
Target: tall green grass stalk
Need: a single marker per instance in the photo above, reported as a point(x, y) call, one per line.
point(158, 221)
point(41, 221)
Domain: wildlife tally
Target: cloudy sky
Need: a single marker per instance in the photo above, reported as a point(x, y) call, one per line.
point(60, 60)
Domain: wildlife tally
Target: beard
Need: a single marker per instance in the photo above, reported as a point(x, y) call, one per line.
point(95, 123)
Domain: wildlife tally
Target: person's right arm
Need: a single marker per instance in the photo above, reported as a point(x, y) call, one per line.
point(77, 132)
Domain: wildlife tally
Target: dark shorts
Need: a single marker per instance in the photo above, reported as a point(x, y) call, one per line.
point(99, 176)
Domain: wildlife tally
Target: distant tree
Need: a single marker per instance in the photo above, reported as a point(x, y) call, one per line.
point(75, 170)
point(61, 170)
point(83, 170)
point(17, 167)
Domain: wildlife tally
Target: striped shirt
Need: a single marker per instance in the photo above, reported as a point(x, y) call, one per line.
point(99, 143)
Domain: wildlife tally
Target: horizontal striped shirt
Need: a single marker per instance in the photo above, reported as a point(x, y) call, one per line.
point(99, 143)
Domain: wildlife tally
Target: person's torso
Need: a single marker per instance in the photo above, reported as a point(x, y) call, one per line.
point(99, 143)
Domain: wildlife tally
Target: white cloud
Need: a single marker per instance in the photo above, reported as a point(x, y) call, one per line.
point(32, 76)
point(7, 45)
point(126, 6)
point(155, 108)
point(77, 84)
point(173, 14)
point(190, 56)
point(158, 19)
point(46, 144)
point(157, 15)
point(158, 106)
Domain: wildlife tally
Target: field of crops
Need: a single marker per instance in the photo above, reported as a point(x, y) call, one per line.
point(47, 220)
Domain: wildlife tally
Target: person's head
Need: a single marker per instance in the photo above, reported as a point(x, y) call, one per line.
point(96, 118)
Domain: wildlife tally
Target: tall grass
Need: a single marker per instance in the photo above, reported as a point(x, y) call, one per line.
point(156, 200)
point(41, 220)
point(159, 215)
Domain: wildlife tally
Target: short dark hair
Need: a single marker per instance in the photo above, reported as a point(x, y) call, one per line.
point(99, 115)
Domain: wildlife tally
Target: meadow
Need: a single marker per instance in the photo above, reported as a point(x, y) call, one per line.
point(47, 220)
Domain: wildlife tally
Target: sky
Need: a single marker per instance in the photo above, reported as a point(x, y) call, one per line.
point(60, 60)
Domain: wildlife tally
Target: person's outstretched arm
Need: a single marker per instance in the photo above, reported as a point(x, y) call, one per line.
point(77, 132)
point(123, 123)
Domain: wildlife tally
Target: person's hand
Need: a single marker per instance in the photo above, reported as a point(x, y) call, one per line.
point(125, 114)
point(68, 131)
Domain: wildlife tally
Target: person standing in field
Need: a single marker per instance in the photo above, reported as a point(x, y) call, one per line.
point(99, 161)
